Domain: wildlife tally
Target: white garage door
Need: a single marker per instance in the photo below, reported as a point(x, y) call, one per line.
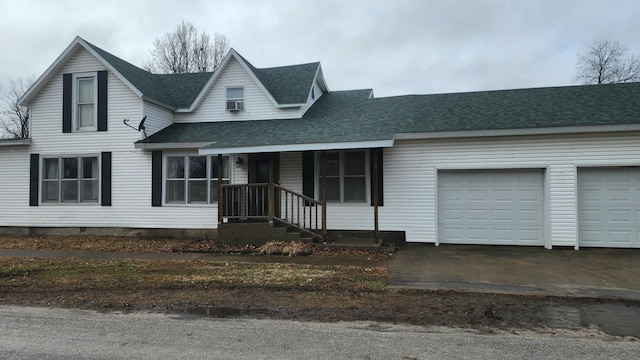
point(492, 207)
point(608, 207)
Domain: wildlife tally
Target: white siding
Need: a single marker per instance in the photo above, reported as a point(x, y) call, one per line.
point(562, 218)
point(317, 92)
point(14, 184)
point(158, 118)
point(410, 168)
point(339, 216)
point(131, 168)
point(240, 174)
point(257, 105)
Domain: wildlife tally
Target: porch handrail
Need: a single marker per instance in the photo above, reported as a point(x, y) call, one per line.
point(300, 211)
point(264, 201)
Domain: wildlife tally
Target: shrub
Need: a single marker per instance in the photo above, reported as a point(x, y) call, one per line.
point(293, 248)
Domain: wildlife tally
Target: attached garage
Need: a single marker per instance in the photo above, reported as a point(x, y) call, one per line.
point(609, 207)
point(491, 207)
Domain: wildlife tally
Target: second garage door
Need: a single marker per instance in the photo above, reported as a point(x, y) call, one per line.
point(609, 207)
point(491, 207)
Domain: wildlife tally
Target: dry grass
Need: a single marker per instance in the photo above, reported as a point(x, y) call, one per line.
point(257, 289)
point(287, 291)
point(97, 243)
point(134, 244)
point(293, 248)
point(128, 274)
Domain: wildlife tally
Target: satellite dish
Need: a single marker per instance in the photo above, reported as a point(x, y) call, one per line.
point(141, 125)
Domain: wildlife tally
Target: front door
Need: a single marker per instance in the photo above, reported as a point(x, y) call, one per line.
point(259, 167)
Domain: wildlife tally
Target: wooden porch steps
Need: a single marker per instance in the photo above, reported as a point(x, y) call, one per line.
point(361, 243)
point(258, 233)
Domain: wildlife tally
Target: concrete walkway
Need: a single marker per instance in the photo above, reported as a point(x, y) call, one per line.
point(608, 273)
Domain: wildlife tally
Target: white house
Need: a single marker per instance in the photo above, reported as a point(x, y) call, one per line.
point(544, 167)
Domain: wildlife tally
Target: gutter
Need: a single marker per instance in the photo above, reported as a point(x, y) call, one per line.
point(15, 142)
point(516, 132)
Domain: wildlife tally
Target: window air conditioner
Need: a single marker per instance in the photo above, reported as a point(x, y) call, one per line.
point(234, 106)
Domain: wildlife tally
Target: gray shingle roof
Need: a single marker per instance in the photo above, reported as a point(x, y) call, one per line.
point(314, 129)
point(177, 90)
point(350, 116)
point(287, 84)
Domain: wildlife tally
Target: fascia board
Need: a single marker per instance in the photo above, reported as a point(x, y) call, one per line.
point(517, 132)
point(160, 146)
point(296, 147)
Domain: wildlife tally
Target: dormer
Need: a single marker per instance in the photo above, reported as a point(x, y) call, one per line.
point(238, 91)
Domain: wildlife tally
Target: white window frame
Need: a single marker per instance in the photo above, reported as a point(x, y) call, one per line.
point(74, 111)
point(79, 179)
point(239, 100)
point(367, 176)
point(186, 179)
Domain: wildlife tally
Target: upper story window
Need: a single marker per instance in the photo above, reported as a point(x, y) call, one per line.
point(235, 98)
point(85, 99)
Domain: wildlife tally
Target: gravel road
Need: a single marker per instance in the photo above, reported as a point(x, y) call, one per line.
point(40, 333)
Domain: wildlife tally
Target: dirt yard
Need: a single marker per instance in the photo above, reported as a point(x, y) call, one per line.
point(322, 291)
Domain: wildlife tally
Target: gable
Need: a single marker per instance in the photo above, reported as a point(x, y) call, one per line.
point(172, 91)
point(258, 105)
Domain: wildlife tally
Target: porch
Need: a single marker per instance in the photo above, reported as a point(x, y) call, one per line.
point(262, 209)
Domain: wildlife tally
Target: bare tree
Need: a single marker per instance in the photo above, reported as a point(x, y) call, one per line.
point(14, 118)
point(607, 62)
point(185, 51)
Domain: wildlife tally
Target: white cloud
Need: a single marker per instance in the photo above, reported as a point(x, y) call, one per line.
point(395, 47)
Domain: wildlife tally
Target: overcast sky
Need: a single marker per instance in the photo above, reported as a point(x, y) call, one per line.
point(393, 46)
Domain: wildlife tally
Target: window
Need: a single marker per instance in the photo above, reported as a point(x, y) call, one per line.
point(70, 180)
point(193, 179)
point(85, 100)
point(346, 176)
point(235, 98)
point(214, 176)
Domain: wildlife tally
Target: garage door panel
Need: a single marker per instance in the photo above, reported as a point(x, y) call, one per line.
point(528, 195)
point(530, 235)
point(491, 207)
point(620, 216)
point(620, 237)
point(531, 216)
point(619, 195)
point(591, 195)
point(608, 207)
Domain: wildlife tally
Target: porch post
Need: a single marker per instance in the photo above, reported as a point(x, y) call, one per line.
point(220, 197)
point(375, 198)
point(323, 173)
point(270, 190)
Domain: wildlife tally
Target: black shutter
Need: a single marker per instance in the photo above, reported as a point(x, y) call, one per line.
point(308, 168)
point(156, 178)
point(67, 102)
point(106, 179)
point(380, 177)
point(102, 101)
point(34, 177)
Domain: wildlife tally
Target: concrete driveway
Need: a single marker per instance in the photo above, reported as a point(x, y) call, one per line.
point(611, 273)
